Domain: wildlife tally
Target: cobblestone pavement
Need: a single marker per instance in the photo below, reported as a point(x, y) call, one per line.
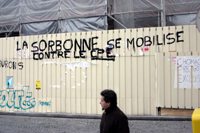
point(26, 124)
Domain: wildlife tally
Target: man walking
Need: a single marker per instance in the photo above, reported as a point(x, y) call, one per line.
point(113, 119)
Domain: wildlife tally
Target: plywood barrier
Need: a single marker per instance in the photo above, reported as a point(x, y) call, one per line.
point(66, 72)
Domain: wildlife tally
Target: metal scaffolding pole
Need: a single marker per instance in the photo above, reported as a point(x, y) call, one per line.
point(117, 21)
point(163, 14)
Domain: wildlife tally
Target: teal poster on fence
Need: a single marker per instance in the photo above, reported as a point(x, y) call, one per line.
point(9, 82)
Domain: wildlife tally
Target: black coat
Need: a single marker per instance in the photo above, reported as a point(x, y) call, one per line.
point(114, 121)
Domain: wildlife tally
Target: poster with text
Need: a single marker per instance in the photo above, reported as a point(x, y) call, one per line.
point(187, 72)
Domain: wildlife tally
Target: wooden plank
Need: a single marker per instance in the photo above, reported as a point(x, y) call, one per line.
point(128, 77)
point(5, 68)
point(49, 77)
point(174, 91)
point(89, 79)
point(195, 91)
point(99, 71)
point(134, 86)
point(32, 71)
point(180, 44)
point(62, 78)
point(181, 91)
point(146, 45)
point(77, 78)
point(159, 40)
point(15, 71)
point(110, 65)
point(176, 112)
point(116, 72)
point(26, 64)
point(68, 79)
point(193, 38)
point(15, 75)
point(146, 79)
point(105, 63)
point(36, 74)
point(58, 75)
point(153, 90)
point(186, 36)
point(165, 45)
point(132, 45)
point(23, 83)
point(188, 91)
point(167, 76)
point(12, 47)
point(172, 47)
point(128, 46)
point(94, 79)
point(19, 75)
point(24, 74)
point(73, 79)
point(8, 45)
point(44, 85)
point(122, 83)
point(139, 42)
point(40, 78)
point(140, 76)
point(141, 86)
point(153, 47)
point(160, 80)
point(54, 86)
point(83, 82)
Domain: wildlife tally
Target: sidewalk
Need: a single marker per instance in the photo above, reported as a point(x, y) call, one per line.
point(86, 116)
point(72, 123)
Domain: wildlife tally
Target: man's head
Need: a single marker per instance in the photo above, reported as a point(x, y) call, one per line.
point(108, 98)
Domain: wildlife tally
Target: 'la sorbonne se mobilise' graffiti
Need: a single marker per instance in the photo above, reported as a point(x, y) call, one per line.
point(62, 49)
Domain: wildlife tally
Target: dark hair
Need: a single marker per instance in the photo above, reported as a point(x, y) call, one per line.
point(109, 96)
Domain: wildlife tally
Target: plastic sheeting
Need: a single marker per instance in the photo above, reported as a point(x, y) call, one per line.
point(23, 11)
point(135, 5)
point(186, 19)
point(49, 27)
point(182, 6)
point(78, 8)
point(32, 14)
point(63, 26)
point(171, 6)
point(147, 13)
point(83, 24)
point(136, 14)
point(130, 13)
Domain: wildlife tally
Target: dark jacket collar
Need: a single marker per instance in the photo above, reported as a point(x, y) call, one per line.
point(110, 109)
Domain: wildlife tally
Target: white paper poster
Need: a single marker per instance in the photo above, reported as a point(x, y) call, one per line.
point(188, 71)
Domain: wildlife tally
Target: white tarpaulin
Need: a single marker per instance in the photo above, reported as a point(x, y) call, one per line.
point(187, 72)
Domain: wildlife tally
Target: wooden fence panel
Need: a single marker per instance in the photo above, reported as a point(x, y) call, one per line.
point(195, 91)
point(141, 70)
point(174, 91)
point(176, 97)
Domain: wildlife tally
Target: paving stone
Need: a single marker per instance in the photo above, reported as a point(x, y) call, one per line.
point(19, 124)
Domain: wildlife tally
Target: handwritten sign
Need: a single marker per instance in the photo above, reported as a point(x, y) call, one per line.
point(188, 72)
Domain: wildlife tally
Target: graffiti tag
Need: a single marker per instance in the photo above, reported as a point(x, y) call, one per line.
point(17, 99)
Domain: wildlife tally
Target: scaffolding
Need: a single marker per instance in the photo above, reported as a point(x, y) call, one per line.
point(33, 17)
